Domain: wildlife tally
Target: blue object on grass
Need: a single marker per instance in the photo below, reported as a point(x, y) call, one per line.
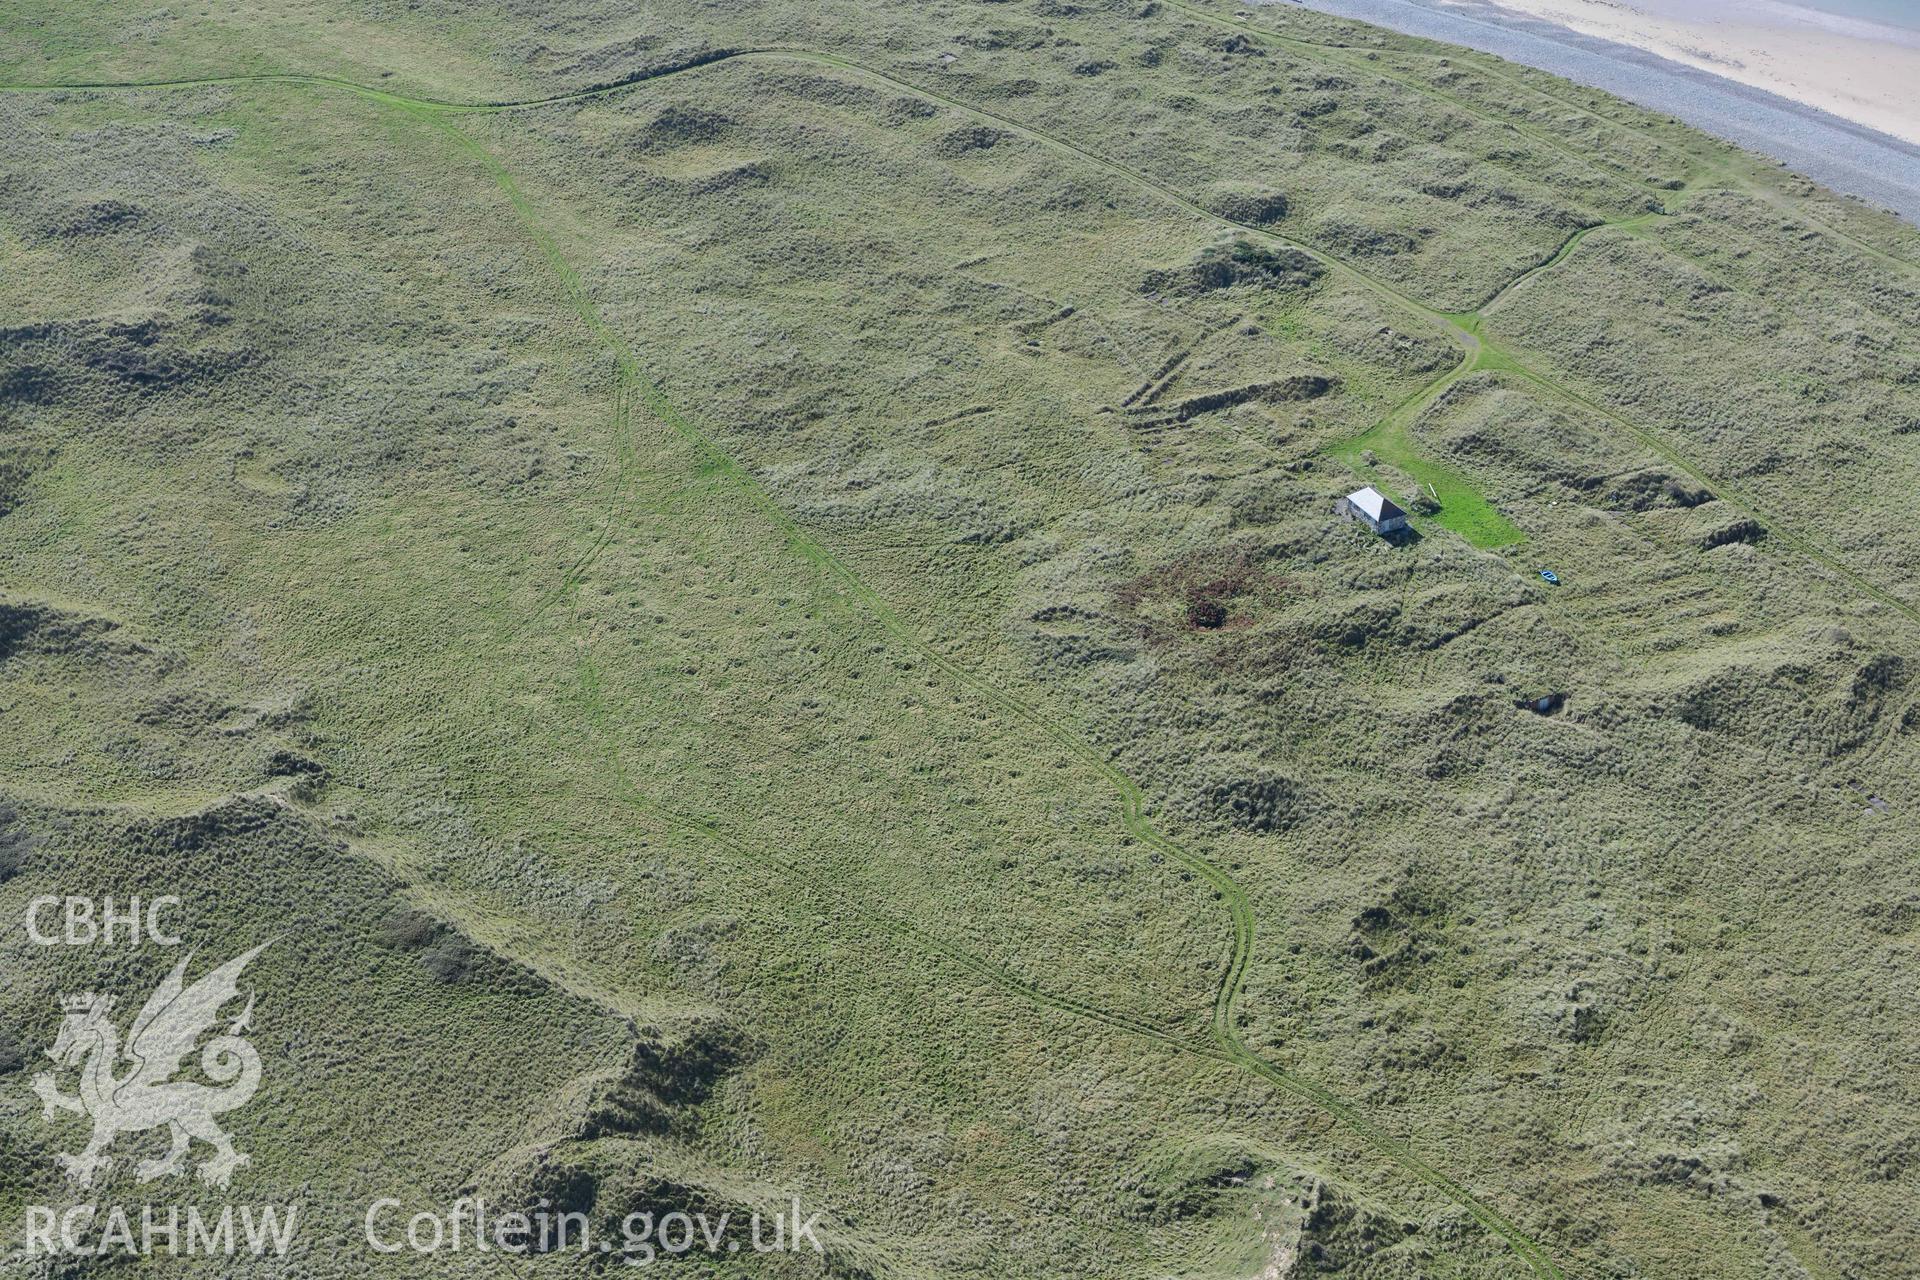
point(1550, 576)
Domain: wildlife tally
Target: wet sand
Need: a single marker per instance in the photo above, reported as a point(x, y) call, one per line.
point(1857, 68)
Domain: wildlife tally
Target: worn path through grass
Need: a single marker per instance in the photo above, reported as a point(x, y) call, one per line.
point(1362, 59)
point(1483, 526)
point(1468, 331)
point(1228, 1046)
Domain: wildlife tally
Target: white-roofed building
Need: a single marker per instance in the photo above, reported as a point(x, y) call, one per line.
point(1376, 509)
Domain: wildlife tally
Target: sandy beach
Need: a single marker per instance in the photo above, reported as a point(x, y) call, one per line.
point(1853, 67)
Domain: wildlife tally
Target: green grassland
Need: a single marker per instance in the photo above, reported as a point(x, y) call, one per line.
point(752, 596)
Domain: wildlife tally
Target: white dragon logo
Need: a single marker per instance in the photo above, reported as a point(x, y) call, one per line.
point(146, 1097)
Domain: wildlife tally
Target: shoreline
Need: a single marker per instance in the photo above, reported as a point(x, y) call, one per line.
point(1846, 154)
point(1860, 70)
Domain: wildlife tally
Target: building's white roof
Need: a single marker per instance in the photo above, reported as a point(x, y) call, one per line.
point(1374, 504)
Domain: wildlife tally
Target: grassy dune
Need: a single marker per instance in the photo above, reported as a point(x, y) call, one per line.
point(754, 596)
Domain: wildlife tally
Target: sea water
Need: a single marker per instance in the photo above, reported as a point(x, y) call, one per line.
point(1893, 13)
point(1895, 20)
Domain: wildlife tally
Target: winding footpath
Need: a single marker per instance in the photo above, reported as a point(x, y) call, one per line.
point(635, 388)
